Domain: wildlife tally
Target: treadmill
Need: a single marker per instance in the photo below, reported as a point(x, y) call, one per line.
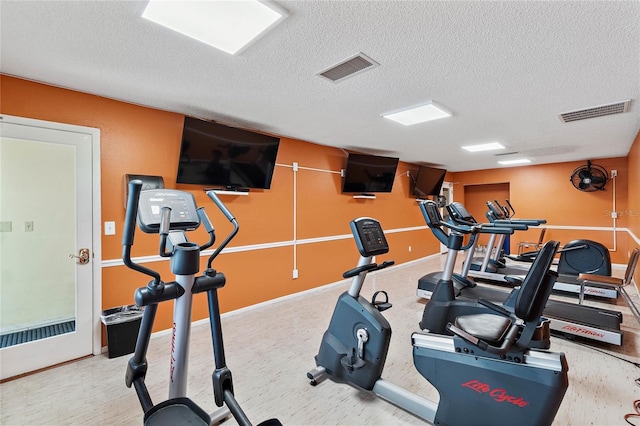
point(576, 257)
point(572, 319)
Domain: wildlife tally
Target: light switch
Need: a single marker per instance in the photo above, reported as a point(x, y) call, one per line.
point(109, 228)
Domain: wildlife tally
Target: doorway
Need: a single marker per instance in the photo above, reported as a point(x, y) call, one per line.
point(49, 244)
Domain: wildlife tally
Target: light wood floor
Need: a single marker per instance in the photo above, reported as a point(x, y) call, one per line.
point(270, 349)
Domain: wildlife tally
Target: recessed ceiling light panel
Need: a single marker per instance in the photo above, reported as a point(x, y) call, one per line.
point(484, 147)
point(513, 162)
point(419, 114)
point(226, 25)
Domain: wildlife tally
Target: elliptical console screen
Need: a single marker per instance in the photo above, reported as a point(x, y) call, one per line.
point(184, 215)
point(369, 237)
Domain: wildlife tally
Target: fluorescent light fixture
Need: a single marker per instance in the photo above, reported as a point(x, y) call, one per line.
point(419, 114)
point(226, 25)
point(483, 147)
point(511, 162)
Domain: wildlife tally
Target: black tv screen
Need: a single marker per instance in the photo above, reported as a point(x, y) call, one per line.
point(428, 181)
point(220, 156)
point(369, 173)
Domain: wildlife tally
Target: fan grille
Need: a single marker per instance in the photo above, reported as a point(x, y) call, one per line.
point(589, 178)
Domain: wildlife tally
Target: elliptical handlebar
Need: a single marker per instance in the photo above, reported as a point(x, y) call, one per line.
point(204, 219)
point(135, 186)
point(225, 211)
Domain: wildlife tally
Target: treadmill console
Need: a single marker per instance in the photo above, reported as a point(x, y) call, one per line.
point(498, 214)
point(184, 215)
point(460, 212)
point(369, 236)
point(431, 214)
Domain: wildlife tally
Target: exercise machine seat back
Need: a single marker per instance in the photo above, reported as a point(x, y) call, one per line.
point(528, 306)
point(584, 256)
point(535, 290)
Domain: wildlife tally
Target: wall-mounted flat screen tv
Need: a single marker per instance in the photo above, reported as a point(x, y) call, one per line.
point(369, 173)
point(220, 156)
point(428, 181)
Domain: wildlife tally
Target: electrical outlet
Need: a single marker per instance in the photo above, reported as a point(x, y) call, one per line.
point(409, 248)
point(614, 173)
point(28, 226)
point(295, 274)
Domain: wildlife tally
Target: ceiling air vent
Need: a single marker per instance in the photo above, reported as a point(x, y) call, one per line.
point(597, 111)
point(349, 67)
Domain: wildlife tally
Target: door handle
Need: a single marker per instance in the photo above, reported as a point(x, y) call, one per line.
point(83, 257)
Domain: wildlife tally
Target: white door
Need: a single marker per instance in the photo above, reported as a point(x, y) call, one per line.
point(447, 192)
point(47, 306)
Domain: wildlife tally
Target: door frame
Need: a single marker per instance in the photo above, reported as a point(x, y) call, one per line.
point(96, 226)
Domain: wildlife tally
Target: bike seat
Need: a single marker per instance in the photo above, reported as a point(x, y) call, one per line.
point(488, 327)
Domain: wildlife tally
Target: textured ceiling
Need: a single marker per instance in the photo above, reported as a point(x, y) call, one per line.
point(504, 69)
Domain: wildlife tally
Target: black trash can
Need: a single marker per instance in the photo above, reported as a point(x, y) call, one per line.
point(122, 325)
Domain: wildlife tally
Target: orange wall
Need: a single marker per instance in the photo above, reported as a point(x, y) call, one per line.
point(476, 197)
point(545, 191)
point(140, 140)
point(633, 206)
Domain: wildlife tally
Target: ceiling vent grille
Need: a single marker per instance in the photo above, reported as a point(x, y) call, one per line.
point(348, 68)
point(597, 111)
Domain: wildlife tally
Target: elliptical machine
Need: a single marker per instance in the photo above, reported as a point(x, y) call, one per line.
point(171, 214)
point(483, 373)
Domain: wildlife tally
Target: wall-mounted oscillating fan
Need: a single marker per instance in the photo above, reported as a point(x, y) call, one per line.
point(589, 178)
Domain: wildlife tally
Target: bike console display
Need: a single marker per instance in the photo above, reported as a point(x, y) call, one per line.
point(369, 236)
point(184, 215)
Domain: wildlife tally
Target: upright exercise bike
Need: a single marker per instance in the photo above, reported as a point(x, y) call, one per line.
point(483, 373)
point(171, 214)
